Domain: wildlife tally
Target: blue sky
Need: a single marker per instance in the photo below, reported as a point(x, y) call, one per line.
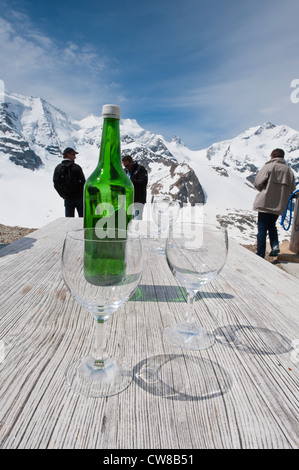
point(204, 70)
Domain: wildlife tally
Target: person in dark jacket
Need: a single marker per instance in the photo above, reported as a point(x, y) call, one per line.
point(138, 175)
point(69, 180)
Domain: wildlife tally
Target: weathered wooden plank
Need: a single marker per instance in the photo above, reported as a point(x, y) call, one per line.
point(241, 393)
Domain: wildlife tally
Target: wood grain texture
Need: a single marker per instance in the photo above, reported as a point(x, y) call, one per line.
point(241, 393)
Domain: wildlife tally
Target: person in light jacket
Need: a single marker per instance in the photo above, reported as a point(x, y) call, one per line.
point(275, 182)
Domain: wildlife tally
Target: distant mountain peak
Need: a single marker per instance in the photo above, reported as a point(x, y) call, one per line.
point(33, 134)
point(263, 127)
point(177, 140)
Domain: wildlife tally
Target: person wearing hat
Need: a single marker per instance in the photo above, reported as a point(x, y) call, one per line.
point(69, 180)
point(275, 182)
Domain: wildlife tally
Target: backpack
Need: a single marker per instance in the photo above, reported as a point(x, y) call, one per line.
point(65, 181)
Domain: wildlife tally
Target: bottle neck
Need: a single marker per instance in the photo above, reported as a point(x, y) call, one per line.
point(110, 145)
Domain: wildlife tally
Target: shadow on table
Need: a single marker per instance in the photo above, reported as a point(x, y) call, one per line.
point(182, 378)
point(155, 293)
point(23, 244)
point(187, 378)
point(253, 340)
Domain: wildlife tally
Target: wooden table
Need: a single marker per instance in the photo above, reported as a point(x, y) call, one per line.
point(241, 393)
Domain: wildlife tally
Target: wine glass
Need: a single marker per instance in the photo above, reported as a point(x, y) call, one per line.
point(101, 274)
point(195, 254)
point(165, 212)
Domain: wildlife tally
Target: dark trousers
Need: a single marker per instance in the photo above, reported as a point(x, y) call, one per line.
point(71, 204)
point(266, 223)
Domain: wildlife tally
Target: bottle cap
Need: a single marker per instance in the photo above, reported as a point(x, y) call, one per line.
point(111, 111)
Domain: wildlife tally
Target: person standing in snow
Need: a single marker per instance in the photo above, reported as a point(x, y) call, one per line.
point(69, 180)
point(275, 182)
point(138, 175)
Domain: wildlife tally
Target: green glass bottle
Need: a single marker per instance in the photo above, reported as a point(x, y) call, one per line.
point(108, 198)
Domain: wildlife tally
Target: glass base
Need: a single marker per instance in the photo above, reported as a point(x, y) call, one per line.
point(159, 249)
point(188, 336)
point(157, 245)
point(85, 378)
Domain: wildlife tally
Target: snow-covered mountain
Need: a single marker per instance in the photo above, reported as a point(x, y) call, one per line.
point(33, 135)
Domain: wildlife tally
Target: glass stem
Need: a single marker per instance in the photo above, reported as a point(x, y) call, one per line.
point(99, 346)
point(190, 307)
point(159, 225)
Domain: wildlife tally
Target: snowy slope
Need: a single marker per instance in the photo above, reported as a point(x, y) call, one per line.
point(227, 170)
point(33, 134)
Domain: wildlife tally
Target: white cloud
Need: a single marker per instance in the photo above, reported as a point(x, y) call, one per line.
point(70, 76)
point(218, 71)
point(251, 81)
